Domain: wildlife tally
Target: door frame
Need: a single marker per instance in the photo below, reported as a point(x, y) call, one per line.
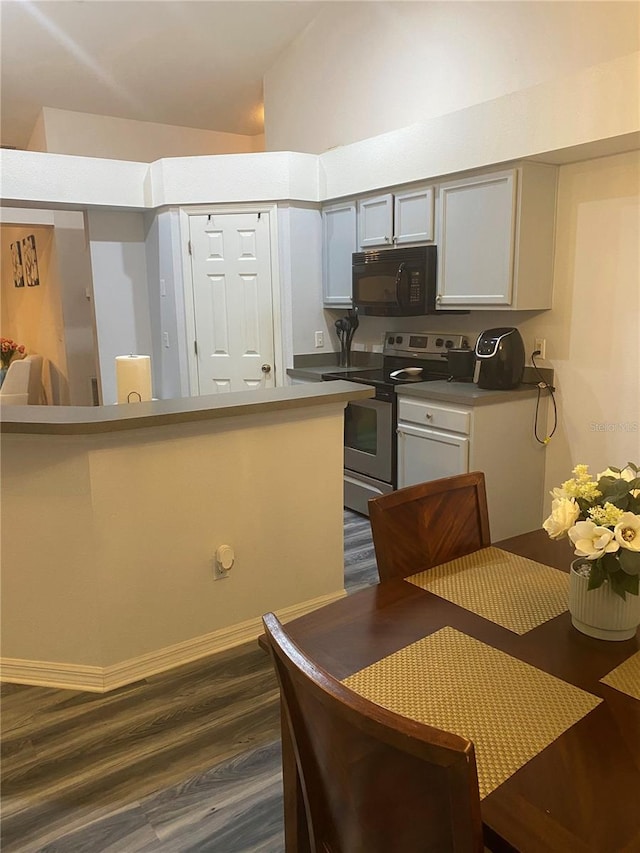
point(271, 210)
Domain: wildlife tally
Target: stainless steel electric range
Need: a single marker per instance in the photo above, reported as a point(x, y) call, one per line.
point(370, 440)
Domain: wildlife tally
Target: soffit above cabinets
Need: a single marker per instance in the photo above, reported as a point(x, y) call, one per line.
point(539, 124)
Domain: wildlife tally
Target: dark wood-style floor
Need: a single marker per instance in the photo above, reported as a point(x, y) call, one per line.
point(188, 760)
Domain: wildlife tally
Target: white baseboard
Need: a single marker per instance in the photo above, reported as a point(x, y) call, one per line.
point(96, 679)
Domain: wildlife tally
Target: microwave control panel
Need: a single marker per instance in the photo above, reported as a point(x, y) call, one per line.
point(414, 287)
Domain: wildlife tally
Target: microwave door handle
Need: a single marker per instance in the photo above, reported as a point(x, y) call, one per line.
point(399, 274)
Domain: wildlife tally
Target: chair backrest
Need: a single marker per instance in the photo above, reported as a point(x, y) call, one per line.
point(371, 780)
point(23, 383)
point(421, 526)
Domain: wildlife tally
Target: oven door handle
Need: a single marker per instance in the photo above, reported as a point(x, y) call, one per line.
point(377, 405)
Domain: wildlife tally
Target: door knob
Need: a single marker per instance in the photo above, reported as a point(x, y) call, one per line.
point(266, 368)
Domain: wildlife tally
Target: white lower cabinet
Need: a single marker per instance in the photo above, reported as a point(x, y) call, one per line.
point(438, 439)
point(428, 454)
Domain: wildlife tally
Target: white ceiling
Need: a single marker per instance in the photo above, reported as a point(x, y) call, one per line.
point(192, 63)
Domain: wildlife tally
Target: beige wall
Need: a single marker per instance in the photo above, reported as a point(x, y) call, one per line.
point(85, 134)
point(362, 69)
point(128, 524)
point(33, 315)
point(593, 330)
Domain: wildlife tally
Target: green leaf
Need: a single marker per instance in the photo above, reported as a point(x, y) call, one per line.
point(609, 563)
point(621, 583)
point(597, 574)
point(619, 489)
point(629, 561)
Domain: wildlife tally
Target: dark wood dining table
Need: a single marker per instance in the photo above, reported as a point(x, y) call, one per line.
point(582, 792)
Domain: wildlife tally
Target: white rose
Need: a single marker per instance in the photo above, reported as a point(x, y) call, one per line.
point(627, 531)
point(592, 541)
point(564, 512)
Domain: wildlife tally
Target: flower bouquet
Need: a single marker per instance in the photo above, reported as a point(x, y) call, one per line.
point(602, 518)
point(8, 349)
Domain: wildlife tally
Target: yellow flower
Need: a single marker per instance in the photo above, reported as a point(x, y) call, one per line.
point(607, 515)
point(581, 472)
point(581, 488)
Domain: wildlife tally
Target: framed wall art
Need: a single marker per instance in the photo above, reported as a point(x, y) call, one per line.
point(16, 263)
point(30, 261)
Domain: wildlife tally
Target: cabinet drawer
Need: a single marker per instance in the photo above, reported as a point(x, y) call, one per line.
point(429, 414)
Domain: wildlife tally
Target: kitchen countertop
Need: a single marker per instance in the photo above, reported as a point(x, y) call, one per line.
point(464, 393)
point(314, 373)
point(86, 420)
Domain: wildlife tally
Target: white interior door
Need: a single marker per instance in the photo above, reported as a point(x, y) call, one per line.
point(232, 302)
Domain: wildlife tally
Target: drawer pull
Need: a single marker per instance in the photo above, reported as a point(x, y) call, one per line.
point(428, 416)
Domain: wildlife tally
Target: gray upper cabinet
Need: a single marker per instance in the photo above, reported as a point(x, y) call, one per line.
point(495, 239)
point(413, 216)
point(393, 219)
point(375, 221)
point(339, 242)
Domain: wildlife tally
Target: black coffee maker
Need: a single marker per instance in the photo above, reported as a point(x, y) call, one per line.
point(500, 359)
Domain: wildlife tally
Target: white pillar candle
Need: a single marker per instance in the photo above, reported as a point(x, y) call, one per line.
point(133, 378)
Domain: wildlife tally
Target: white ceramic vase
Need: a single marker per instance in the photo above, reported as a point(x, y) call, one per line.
point(600, 612)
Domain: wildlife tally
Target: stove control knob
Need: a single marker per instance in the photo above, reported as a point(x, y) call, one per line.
point(439, 342)
point(448, 344)
point(398, 339)
point(390, 340)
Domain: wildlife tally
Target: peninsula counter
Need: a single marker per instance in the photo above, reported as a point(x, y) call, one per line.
point(111, 518)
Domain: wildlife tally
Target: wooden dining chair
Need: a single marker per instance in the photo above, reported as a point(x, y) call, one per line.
point(422, 526)
point(370, 780)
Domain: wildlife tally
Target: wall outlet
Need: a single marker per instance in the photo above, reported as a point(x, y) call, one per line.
point(541, 345)
point(319, 339)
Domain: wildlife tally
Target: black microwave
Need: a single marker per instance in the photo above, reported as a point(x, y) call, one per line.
point(395, 282)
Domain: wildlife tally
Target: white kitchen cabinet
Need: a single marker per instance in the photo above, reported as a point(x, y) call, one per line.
point(394, 219)
point(339, 242)
point(496, 239)
point(428, 454)
point(437, 439)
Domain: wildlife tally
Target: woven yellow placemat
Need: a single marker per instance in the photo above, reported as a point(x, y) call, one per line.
point(511, 591)
point(509, 709)
point(626, 677)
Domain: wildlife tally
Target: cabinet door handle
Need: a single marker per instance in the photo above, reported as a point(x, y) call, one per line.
point(428, 416)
